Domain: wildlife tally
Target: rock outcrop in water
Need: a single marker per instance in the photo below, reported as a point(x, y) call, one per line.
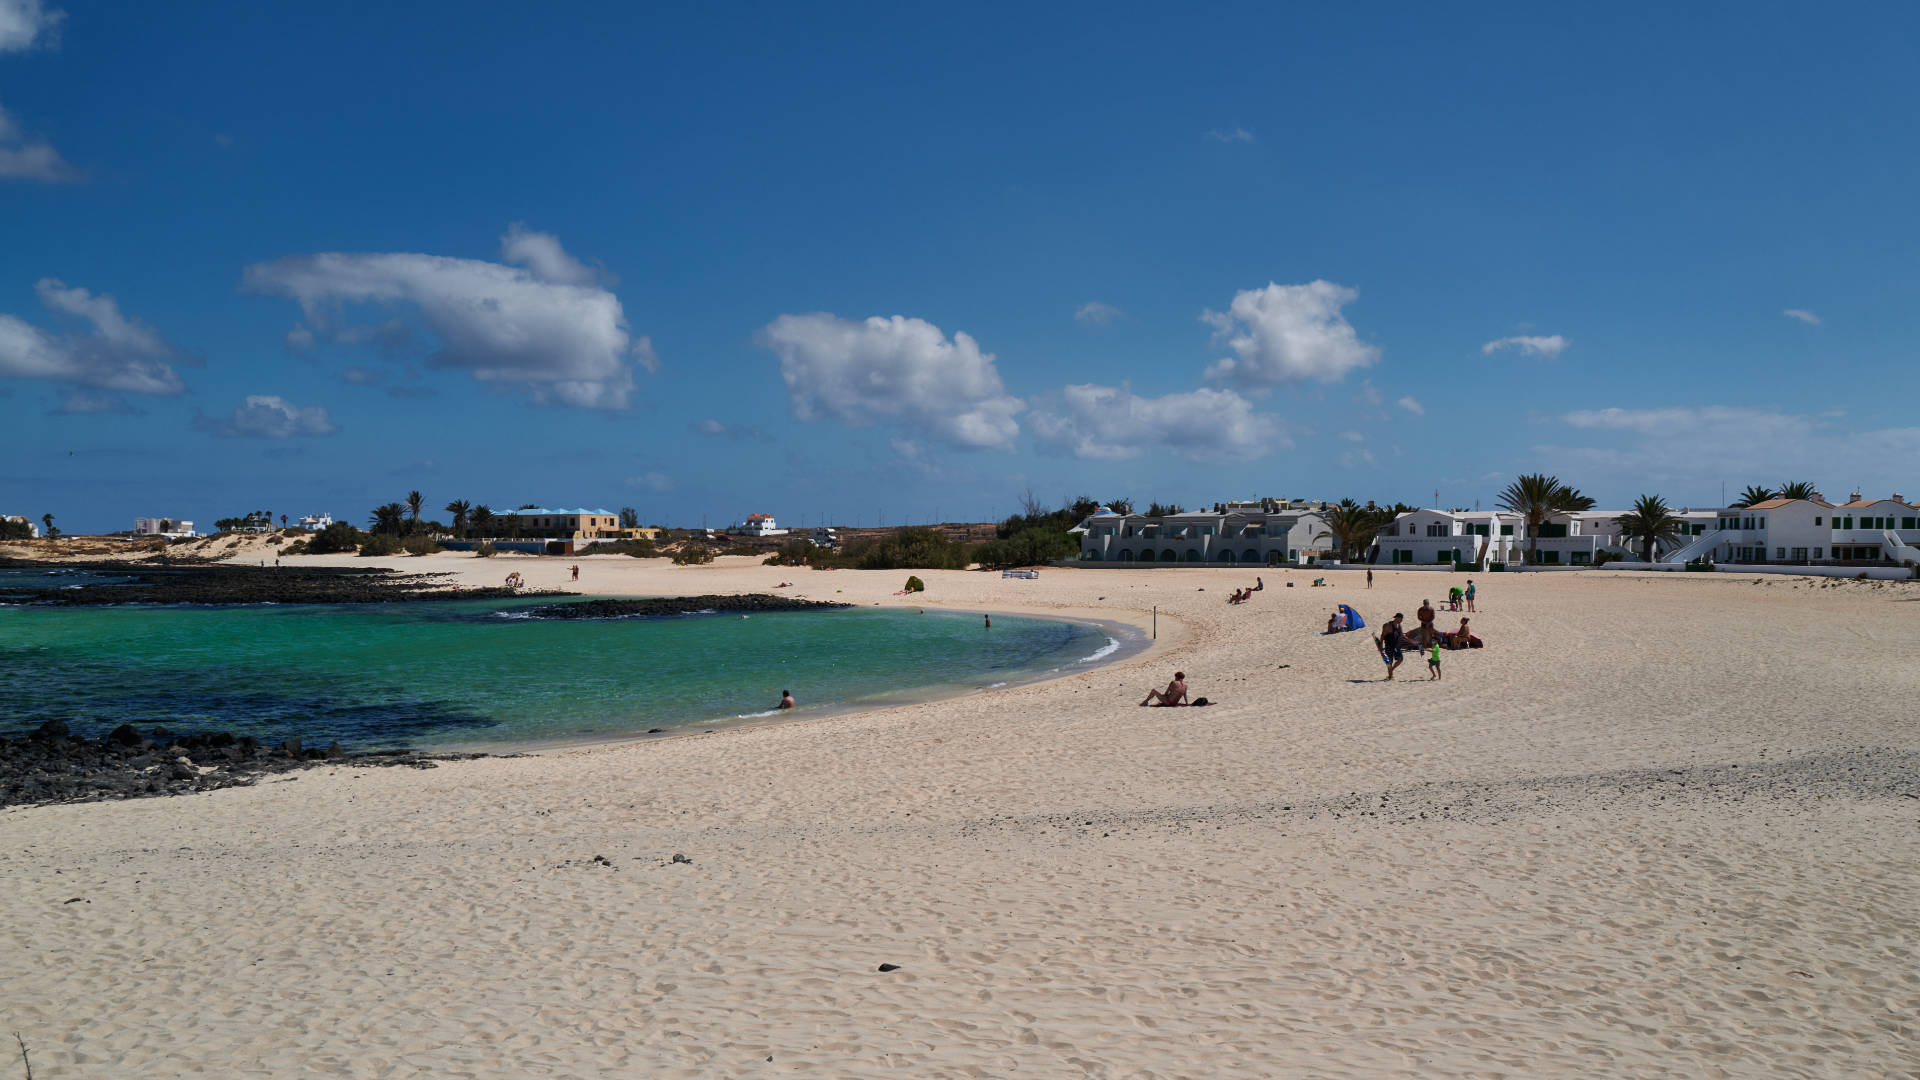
point(50, 765)
point(141, 583)
point(654, 607)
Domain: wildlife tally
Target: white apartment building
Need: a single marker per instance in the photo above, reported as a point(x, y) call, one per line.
point(315, 522)
point(761, 525)
point(1228, 538)
point(150, 526)
point(1809, 531)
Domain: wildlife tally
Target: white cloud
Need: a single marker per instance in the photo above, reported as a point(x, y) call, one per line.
point(905, 448)
point(560, 342)
point(1235, 134)
point(542, 254)
point(88, 402)
point(1803, 315)
point(1353, 436)
point(711, 426)
point(1288, 332)
point(651, 481)
point(1544, 347)
point(1369, 393)
point(897, 371)
point(23, 22)
point(118, 353)
point(1354, 458)
point(1412, 405)
point(1097, 313)
point(1686, 452)
point(1106, 423)
point(269, 416)
point(23, 158)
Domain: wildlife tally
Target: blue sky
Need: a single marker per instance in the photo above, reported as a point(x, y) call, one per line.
point(872, 262)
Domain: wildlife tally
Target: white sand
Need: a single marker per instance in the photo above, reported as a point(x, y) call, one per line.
point(1545, 864)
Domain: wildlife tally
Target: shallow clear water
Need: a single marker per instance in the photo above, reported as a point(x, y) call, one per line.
point(479, 672)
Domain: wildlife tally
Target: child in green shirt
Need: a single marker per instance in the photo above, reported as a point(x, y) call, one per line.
point(1433, 660)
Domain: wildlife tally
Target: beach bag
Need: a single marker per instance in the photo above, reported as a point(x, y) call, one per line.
point(1197, 702)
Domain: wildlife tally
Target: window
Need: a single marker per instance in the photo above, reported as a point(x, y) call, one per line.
point(1817, 555)
point(1582, 558)
point(1799, 554)
point(1780, 553)
point(1506, 530)
point(1816, 521)
point(1436, 530)
point(1907, 523)
point(1846, 523)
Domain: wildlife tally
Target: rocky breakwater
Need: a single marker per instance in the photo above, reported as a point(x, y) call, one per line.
point(51, 765)
point(654, 607)
point(145, 583)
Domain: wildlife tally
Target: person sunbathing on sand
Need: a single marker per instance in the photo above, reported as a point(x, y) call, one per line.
point(1174, 694)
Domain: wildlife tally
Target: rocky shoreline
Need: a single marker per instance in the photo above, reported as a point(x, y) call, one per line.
point(661, 606)
point(148, 583)
point(53, 766)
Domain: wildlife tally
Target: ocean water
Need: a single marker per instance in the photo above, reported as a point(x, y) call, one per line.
point(484, 673)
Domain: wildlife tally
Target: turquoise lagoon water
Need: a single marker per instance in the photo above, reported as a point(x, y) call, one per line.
point(478, 673)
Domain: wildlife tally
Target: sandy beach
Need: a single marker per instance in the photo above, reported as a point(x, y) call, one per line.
point(1664, 825)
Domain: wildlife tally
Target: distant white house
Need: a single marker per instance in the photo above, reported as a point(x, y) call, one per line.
point(162, 527)
point(1809, 532)
point(825, 537)
point(1237, 537)
point(28, 522)
point(315, 522)
point(761, 525)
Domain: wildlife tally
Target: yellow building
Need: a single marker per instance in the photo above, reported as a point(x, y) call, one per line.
point(572, 524)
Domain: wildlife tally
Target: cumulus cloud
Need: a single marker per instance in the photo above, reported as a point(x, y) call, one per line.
point(1288, 332)
point(533, 327)
point(1351, 459)
point(1097, 313)
point(897, 371)
point(117, 353)
point(92, 403)
point(1803, 315)
point(23, 23)
point(1412, 405)
point(1107, 423)
point(1353, 436)
point(268, 416)
point(541, 253)
point(1686, 452)
point(24, 158)
point(1545, 348)
point(720, 429)
point(1234, 134)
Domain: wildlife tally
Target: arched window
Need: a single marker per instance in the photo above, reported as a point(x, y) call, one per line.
point(1126, 556)
point(1169, 556)
point(1146, 555)
point(1226, 556)
point(1250, 556)
point(1089, 555)
point(1193, 555)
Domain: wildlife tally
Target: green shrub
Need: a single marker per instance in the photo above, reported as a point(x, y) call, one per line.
point(379, 544)
point(420, 545)
point(914, 584)
point(1699, 567)
point(485, 551)
point(298, 547)
point(1496, 567)
point(903, 549)
point(741, 549)
point(1028, 547)
point(639, 549)
point(336, 537)
point(15, 530)
point(693, 555)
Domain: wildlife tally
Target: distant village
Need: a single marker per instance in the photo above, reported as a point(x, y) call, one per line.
point(1540, 524)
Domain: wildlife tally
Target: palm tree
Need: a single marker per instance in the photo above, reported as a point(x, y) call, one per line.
point(482, 517)
point(414, 502)
point(1755, 495)
point(47, 520)
point(1537, 497)
point(1799, 489)
point(1353, 526)
point(1651, 522)
point(390, 518)
point(1121, 506)
point(459, 508)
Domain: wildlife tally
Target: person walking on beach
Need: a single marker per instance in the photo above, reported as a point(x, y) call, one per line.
point(576, 571)
point(1392, 642)
point(1433, 661)
point(1469, 594)
point(1369, 577)
point(1174, 694)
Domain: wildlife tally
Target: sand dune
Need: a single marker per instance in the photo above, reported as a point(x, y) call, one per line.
point(1663, 825)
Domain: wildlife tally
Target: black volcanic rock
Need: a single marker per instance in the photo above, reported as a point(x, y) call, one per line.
point(661, 606)
point(148, 583)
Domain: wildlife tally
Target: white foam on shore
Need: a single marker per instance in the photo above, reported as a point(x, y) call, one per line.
point(756, 715)
point(1101, 653)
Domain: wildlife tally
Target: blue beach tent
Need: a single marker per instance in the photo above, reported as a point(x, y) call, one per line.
point(1354, 621)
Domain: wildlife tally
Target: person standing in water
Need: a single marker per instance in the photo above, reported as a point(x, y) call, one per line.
point(989, 619)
